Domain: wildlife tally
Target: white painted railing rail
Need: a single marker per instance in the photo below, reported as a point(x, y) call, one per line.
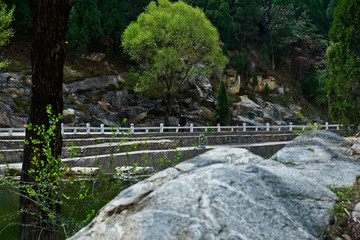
point(87, 129)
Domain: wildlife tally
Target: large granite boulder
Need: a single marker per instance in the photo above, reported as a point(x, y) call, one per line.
point(323, 156)
point(230, 193)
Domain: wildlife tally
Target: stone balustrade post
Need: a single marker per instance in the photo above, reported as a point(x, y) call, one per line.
point(88, 128)
point(161, 127)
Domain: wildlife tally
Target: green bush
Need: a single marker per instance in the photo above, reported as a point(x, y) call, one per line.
point(239, 62)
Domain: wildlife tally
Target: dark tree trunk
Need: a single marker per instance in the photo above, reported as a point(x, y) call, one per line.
point(50, 20)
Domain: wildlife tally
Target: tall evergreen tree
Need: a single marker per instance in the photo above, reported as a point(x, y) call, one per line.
point(343, 87)
point(222, 110)
point(310, 84)
point(84, 25)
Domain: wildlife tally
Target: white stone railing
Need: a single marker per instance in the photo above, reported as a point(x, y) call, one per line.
point(141, 130)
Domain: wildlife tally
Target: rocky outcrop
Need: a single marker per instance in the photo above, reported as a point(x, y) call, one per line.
point(14, 95)
point(323, 156)
point(230, 193)
point(259, 113)
point(235, 88)
point(106, 100)
point(94, 83)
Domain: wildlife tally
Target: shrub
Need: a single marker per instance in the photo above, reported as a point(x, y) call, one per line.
point(239, 62)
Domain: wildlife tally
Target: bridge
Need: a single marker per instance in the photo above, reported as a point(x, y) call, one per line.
point(92, 149)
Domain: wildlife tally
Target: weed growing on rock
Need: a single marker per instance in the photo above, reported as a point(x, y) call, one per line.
point(343, 224)
point(309, 127)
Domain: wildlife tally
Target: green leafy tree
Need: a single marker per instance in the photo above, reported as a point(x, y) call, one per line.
point(247, 15)
point(84, 25)
point(343, 87)
point(114, 20)
point(315, 9)
point(283, 26)
point(169, 48)
point(239, 62)
point(6, 32)
point(218, 12)
point(21, 13)
point(310, 85)
point(222, 110)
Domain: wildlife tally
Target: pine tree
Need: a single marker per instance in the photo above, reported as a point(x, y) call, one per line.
point(255, 79)
point(343, 54)
point(266, 90)
point(222, 110)
point(310, 84)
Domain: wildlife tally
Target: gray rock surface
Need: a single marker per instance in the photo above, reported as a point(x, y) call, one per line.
point(262, 112)
point(323, 156)
point(230, 193)
point(95, 82)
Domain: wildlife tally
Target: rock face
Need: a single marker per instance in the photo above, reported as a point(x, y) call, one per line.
point(106, 100)
point(264, 112)
point(230, 193)
point(91, 83)
point(323, 156)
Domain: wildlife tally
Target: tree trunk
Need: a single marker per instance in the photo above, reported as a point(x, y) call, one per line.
point(169, 102)
point(50, 20)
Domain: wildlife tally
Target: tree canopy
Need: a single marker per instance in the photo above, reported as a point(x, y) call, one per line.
point(344, 61)
point(171, 48)
point(6, 32)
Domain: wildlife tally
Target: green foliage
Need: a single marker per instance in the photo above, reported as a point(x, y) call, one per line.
point(283, 27)
point(266, 90)
point(255, 79)
point(222, 110)
point(95, 21)
point(247, 15)
point(239, 62)
point(84, 25)
point(170, 47)
point(218, 12)
point(54, 183)
point(322, 97)
point(265, 60)
point(6, 32)
point(21, 13)
point(310, 85)
point(330, 10)
point(285, 163)
point(347, 198)
point(309, 127)
point(343, 87)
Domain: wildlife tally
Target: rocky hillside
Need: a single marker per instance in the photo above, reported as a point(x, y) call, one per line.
point(96, 91)
point(108, 100)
